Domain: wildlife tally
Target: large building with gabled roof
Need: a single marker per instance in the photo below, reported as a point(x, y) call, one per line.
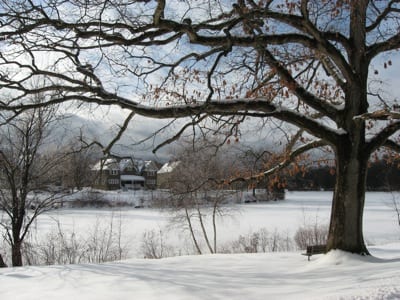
point(125, 173)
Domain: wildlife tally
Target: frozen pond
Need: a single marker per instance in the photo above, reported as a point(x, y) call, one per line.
point(285, 217)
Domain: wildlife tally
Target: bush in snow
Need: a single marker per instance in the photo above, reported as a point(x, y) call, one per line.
point(93, 198)
point(258, 242)
point(316, 234)
point(101, 243)
point(153, 245)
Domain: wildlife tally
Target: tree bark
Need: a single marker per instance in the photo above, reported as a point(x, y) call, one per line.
point(196, 244)
point(214, 221)
point(16, 255)
point(2, 263)
point(203, 229)
point(346, 226)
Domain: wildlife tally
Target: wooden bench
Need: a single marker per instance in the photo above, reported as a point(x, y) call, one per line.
point(315, 249)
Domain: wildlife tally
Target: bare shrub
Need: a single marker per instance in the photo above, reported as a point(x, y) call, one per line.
point(154, 246)
point(396, 206)
point(81, 203)
point(91, 199)
point(316, 234)
point(58, 247)
point(97, 199)
point(102, 243)
point(260, 241)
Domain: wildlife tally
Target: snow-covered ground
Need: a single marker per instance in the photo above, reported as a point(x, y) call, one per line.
point(284, 275)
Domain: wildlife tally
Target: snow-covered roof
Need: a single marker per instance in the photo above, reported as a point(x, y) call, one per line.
point(125, 163)
point(122, 164)
point(150, 165)
point(106, 164)
point(168, 167)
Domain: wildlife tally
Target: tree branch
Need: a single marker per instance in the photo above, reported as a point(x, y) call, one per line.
point(392, 145)
point(179, 133)
point(385, 13)
point(284, 163)
point(260, 107)
point(299, 91)
point(381, 138)
point(383, 114)
point(388, 45)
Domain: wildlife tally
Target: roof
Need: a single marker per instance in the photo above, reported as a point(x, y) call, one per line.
point(127, 162)
point(122, 164)
point(106, 164)
point(150, 165)
point(168, 167)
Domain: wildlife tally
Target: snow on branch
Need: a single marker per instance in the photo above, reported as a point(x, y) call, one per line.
point(381, 139)
point(383, 114)
point(392, 145)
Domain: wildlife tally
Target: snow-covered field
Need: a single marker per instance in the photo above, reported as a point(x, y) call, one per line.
point(284, 275)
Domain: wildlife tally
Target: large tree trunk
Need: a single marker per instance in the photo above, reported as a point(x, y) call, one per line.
point(346, 227)
point(2, 262)
point(16, 255)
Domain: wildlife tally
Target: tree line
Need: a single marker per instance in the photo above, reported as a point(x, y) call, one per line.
point(382, 176)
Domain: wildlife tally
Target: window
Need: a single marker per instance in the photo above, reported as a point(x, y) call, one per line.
point(113, 181)
point(151, 182)
point(113, 172)
point(151, 173)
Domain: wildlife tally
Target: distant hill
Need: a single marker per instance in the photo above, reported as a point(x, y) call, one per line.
point(73, 126)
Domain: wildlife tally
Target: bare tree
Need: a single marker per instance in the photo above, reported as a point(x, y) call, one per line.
point(197, 193)
point(253, 163)
point(306, 63)
point(75, 169)
point(25, 174)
